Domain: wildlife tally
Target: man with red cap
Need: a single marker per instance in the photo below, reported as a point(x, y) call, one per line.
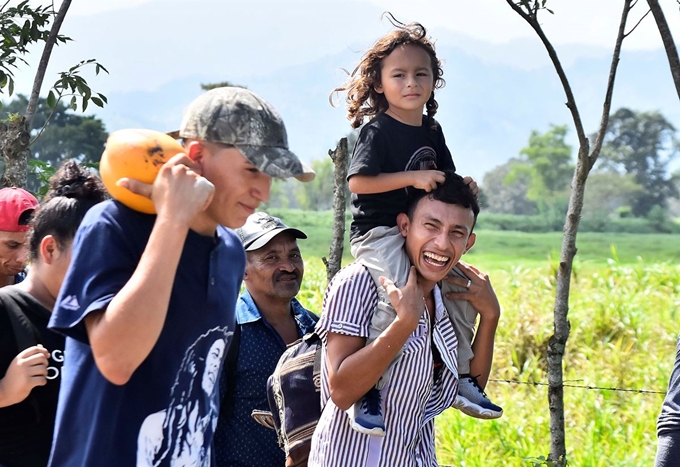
point(16, 208)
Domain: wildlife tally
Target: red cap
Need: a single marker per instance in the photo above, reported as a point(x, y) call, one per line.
point(13, 203)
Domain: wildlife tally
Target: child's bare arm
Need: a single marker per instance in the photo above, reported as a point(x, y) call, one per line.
point(370, 184)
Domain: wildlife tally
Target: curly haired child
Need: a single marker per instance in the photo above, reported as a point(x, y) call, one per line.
point(398, 150)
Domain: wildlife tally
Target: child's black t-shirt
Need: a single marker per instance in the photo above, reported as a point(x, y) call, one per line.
point(386, 145)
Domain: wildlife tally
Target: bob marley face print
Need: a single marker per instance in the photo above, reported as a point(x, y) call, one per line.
point(213, 362)
point(179, 436)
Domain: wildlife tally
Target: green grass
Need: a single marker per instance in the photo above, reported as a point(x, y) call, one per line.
point(507, 249)
point(623, 331)
point(624, 310)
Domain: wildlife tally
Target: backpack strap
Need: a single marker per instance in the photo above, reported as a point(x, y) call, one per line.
point(311, 338)
point(229, 373)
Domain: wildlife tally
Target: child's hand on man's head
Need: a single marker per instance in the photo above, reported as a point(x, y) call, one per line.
point(426, 179)
point(469, 181)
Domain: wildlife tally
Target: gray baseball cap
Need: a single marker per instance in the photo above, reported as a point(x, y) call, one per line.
point(239, 117)
point(260, 228)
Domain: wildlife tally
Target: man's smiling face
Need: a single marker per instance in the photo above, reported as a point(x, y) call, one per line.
point(437, 236)
point(275, 271)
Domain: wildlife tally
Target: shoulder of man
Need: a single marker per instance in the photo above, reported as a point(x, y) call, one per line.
point(351, 280)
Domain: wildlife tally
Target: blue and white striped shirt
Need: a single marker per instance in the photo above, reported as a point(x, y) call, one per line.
point(411, 399)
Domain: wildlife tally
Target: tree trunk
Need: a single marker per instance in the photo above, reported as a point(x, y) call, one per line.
point(44, 60)
point(668, 42)
point(340, 159)
point(15, 137)
point(14, 141)
point(585, 161)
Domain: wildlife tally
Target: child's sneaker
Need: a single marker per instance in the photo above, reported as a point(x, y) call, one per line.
point(472, 400)
point(366, 414)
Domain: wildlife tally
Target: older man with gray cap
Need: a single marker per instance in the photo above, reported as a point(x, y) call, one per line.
point(269, 318)
point(148, 304)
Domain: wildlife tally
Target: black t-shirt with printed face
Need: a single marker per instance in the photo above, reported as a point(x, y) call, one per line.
point(386, 145)
point(26, 428)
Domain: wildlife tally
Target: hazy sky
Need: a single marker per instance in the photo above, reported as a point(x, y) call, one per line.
point(156, 50)
point(575, 21)
point(146, 43)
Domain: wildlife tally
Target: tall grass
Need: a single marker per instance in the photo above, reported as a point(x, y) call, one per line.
point(623, 330)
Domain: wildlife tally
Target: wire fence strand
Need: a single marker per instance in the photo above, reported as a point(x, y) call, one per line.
point(569, 384)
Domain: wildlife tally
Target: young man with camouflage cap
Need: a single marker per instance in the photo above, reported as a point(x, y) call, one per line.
point(148, 302)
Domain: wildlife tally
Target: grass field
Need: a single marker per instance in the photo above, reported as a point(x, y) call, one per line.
point(624, 309)
point(507, 249)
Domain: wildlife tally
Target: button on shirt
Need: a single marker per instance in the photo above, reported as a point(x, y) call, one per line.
point(240, 440)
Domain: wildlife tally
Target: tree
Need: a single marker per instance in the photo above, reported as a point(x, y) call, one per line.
point(68, 136)
point(20, 27)
point(507, 196)
point(340, 158)
point(317, 195)
point(642, 144)
point(587, 156)
point(668, 42)
point(281, 195)
point(547, 162)
point(609, 192)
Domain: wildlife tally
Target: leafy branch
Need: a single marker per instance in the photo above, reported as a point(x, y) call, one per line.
point(21, 26)
point(71, 84)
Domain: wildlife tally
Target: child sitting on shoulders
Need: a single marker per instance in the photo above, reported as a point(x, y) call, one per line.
point(397, 150)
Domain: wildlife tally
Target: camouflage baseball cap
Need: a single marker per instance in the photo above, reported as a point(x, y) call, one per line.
point(239, 117)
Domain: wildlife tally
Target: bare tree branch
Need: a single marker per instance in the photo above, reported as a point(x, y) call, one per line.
point(607, 105)
point(637, 24)
point(584, 163)
point(340, 157)
point(571, 103)
point(668, 42)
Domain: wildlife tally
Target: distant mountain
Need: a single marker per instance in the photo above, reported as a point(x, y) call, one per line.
point(487, 109)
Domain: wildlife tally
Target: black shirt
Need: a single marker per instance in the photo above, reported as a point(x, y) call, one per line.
point(386, 145)
point(26, 428)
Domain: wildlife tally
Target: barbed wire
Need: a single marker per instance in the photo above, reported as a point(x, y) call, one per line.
point(568, 384)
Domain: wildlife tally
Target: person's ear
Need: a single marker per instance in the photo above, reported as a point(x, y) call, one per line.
point(470, 242)
point(378, 87)
point(403, 222)
point(195, 150)
point(48, 249)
